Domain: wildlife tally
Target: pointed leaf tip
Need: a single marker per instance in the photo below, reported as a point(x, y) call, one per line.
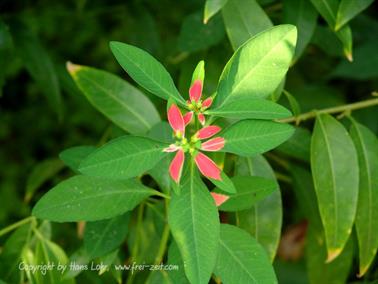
point(72, 68)
point(332, 254)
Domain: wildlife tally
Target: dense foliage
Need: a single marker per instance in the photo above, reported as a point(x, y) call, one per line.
point(218, 141)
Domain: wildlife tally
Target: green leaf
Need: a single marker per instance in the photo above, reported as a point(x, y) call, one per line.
point(250, 137)
point(244, 19)
point(349, 9)
point(194, 31)
point(363, 67)
point(258, 66)
point(298, 145)
point(47, 253)
point(225, 184)
point(160, 172)
point(73, 156)
point(303, 15)
point(345, 36)
point(250, 108)
point(194, 222)
point(123, 158)
point(6, 45)
point(319, 271)
point(10, 256)
point(199, 72)
point(102, 237)
point(146, 71)
point(250, 190)
point(241, 257)
point(41, 173)
point(304, 191)
point(328, 9)
point(90, 199)
point(334, 167)
point(294, 105)
point(212, 7)
point(115, 98)
point(174, 258)
point(39, 65)
point(367, 216)
point(263, 221)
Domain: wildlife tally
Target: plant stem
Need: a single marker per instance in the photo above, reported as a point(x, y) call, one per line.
point(337, 109)
point(163, 244)
point(16, 225)
point(158, 193)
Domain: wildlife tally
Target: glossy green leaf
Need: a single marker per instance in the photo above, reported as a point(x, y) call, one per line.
point(41, 173)
point(193, 31)
point(318, 270)
point(249, 191)
point(250, 108)
point(244, 19)
point(349, 9)
point(334, 167)
point(250, 137)
point(46, 253)
point(90, 199)
point(6, 44)
point(367, 216)
point(241, 259)
point(263, 221)
point(115, 98)
point(73, 156)
point(124, 157)
point(258, 66)
point(303, 15)
point(146, 71)
point(225, 184)
point(298, 145)
point(102, 237)
point(194, 222)
point(212, 7)
point(39, 64)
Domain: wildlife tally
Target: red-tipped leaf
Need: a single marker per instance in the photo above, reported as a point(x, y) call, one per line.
point(195, 91)
point(213, 145)
point(207, 167)
point(175, 168)
point(208, 131)
point(175, 119)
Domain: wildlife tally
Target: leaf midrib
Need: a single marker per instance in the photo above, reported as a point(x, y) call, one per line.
point(141, 118)
point(108, 193)
point(120, 158)
point(166, 91)
point(230, 252)
point(256, 137)
point(233, 90)
point(365, 160)
point(333, 179)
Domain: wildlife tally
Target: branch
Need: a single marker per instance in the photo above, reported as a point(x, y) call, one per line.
point(343, 108)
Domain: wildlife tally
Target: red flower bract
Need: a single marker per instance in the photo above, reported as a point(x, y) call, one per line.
point(205, 165)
